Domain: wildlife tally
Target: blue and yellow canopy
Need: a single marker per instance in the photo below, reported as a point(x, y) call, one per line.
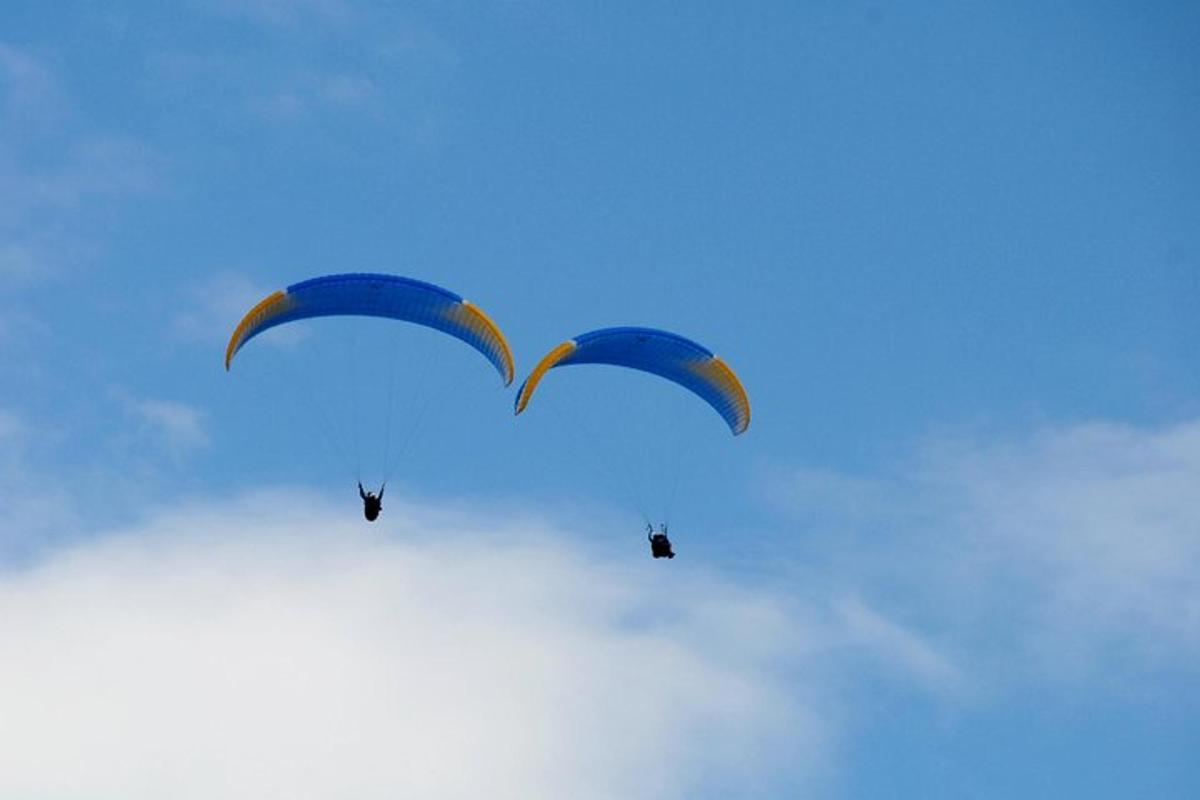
point(378, 295)
point(658, 352)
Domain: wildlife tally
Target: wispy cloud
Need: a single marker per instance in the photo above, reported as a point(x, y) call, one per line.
point(210, 310)
point(293, 651)
point(57, 176)
point(18, 329)
point(347, 90)
point(903, 649)
point(18, 263)
point(1067, 553)
point(314, 63)
point(29, 92)
point(178, 425)
point(316, 93)
point(34, 511)
point(12, 426)
point(285, 13)
point(160, 427)
point(97, 167)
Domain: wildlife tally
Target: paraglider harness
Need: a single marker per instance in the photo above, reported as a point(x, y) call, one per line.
point(660, 545)
point(372, 503)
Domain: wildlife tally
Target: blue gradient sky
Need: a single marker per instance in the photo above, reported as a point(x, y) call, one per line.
point(951, 248)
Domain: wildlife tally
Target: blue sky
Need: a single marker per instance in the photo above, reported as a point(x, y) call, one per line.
point(951, 248)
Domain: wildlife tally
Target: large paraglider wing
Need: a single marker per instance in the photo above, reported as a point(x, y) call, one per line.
point(377, 295)
point(661, 353)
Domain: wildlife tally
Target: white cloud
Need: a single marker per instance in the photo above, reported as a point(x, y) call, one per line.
point(97, 167)
point(17, 263)
point(169, 425)
point(279, 648)
point(833, 496)
point(28, 89)
point(33, 508)
point(1068, 553)
point(308, 93)
point(18, 328)
point(286, 13)
point(57, 179)
point(180, 426)
point(386, 70)
point(12, 426)
point(281, 106)
point(90, 165)
point(347, 90)
point(900, 649)
point(418, 44)
point(210, 311)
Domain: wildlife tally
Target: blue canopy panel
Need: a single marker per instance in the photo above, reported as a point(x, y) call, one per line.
point(658, 352)
point(378, 295)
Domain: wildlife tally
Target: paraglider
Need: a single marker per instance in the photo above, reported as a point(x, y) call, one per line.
point(368, 294)
point(384, 296)
point(372, 503)
point(658, 352)
point(660, 545)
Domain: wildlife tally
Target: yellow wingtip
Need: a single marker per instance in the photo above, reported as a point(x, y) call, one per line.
point(252, 317)
point(494, 329)
point(548, 361)
point(734, 384)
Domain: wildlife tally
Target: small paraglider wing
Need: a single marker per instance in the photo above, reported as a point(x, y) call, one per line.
point(378, 295)
point(658, 352)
